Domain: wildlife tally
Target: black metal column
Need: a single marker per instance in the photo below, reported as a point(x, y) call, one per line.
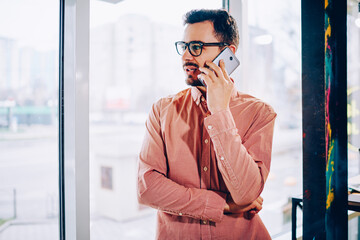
point(324, 119)
point(61, 124)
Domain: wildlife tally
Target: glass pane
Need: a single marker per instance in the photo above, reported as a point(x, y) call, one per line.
point(353, 81)
point(133, 62)
point(274, 65)
point(353, 55)
point(28, 119)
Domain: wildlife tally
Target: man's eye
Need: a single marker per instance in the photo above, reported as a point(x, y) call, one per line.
point(195, 47)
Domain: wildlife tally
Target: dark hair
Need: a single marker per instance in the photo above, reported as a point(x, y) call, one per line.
point(224, 24)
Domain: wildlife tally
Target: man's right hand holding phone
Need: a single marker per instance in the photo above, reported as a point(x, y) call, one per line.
point(219, 86)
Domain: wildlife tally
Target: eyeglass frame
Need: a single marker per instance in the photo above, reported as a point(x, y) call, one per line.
point(202, 44)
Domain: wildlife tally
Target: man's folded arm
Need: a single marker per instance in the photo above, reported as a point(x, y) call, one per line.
point(158, 191)
point(244, 163)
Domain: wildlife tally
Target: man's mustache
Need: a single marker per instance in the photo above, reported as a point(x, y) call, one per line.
point(190, 64)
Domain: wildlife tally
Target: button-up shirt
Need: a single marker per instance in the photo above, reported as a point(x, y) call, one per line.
point(191, 160)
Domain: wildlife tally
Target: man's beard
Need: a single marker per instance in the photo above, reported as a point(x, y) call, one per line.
point(191, 72)
point(193, 82)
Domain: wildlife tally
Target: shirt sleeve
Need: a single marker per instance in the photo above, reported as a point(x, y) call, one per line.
point(244, 163)
point(158, 191)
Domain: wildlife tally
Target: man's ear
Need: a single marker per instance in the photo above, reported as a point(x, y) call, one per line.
point(232, 48)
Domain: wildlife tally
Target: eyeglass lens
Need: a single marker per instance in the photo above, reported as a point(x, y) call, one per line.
point(194, 48)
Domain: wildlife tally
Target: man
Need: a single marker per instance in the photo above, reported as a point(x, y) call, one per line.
point(207, 150)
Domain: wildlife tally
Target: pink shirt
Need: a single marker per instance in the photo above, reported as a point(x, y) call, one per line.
point(191, 159)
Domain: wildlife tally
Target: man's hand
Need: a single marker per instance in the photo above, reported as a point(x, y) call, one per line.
point(248, 210)
point(219, 86)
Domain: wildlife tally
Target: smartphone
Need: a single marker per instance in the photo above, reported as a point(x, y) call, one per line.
point(230, 60)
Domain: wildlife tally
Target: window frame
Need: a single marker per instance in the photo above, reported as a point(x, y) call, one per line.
point(74, 217)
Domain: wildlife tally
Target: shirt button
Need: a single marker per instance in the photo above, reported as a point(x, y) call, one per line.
point(222, 158)
point(180, 214)
point(202, 99)
point(205, 169)
point(210, 127)
point(206, 141)
point(204, 222)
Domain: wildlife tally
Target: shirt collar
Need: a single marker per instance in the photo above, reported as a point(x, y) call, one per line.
point(196, 95)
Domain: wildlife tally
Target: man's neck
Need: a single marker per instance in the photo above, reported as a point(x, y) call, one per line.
point(202, 89)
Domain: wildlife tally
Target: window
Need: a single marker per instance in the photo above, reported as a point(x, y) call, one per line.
point(133, 62)
point(353, 28)
point(273, 58)
point(28, 119)
point(353, 77)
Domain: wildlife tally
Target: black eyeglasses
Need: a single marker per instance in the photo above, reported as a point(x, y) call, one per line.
point(195, 47)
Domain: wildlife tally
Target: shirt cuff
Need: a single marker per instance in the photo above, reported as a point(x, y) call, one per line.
point(214, 208)
point(219, 122)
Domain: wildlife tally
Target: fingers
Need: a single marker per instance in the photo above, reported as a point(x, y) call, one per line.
point(216, 69)
point(255, 206)
point(223, 70)
point(258, 208)
point(258, 205)
point(250, 209)
point(207, 75)
point(260, 200)
point(227, 208)
point(214, 73)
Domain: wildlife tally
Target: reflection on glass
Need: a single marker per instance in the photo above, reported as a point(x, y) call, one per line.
point(28, 119)
point(274, 70)
point(133, 62)
point(106, 178)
